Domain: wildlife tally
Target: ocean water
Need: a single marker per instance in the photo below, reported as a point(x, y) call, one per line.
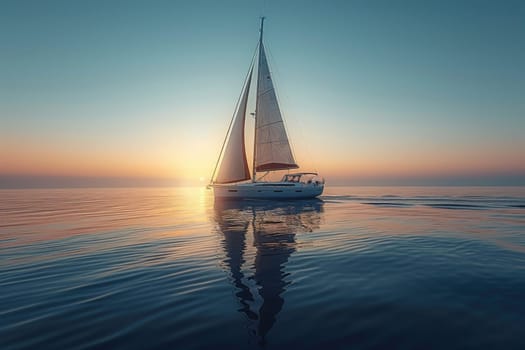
point(170, 268)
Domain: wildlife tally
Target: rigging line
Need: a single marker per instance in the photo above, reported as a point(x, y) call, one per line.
point(268, 124)
point(265, 92)
point(234, 114)
point(262, 177)
point(281, 142)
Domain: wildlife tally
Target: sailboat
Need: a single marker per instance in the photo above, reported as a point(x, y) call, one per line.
point(271, 151)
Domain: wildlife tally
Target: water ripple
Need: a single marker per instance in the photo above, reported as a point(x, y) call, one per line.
point(171, 268)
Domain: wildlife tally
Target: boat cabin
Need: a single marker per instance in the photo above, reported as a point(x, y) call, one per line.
point(299, 177)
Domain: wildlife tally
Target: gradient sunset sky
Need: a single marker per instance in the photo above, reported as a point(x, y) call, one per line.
point(373, 92)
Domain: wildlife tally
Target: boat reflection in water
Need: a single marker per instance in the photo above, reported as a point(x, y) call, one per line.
point(258, 238)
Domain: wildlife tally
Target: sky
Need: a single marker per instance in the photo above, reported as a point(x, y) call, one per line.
point(372, 92)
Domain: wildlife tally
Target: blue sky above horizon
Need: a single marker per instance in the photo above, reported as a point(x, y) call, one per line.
point(407, 90)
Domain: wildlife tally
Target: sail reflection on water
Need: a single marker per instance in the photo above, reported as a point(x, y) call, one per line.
point(258, 239)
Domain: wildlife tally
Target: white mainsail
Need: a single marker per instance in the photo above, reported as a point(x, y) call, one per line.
point(234, 165)
point(272, 148)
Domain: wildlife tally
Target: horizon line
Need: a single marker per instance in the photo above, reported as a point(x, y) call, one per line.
point(71, 181)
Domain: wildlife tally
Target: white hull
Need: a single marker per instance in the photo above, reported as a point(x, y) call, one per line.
point(268, 190)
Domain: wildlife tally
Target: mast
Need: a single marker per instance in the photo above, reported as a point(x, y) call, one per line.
point(257, 98)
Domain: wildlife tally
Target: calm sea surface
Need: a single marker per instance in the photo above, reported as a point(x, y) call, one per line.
point(361, 268)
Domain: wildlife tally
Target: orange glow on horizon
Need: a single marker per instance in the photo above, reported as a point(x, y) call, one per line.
point(192, 159)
